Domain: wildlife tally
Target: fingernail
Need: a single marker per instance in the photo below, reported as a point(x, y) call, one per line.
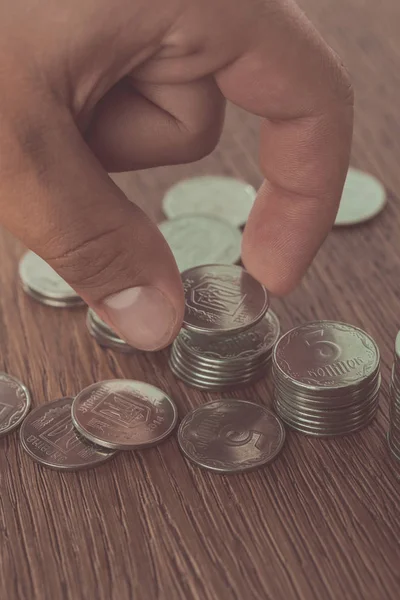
point(142, 316)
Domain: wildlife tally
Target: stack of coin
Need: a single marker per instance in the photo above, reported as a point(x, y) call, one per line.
point(228, 335)
point(394, 428)
point(327, 378)
point(43, 284)
point(104, 335)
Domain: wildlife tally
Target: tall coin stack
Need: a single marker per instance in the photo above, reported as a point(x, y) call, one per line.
point(327, 378)
point(227, 336)
point(394, 428)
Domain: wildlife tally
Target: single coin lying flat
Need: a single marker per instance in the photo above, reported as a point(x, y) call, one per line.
point(202, 239)
point(363, 198)
point(124, 415)
point(231, 436)
point(225, 197)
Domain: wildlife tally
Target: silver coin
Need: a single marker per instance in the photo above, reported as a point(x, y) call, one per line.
point(200, 240)
point(326, 354)
point(363, 198)
point(397, 346)
point(245, 345)
point(221, 299)
point(41, 282)
point(123, 414)
point(49, 437)
point(327, 432)
point(224, 197)
point(15, 402)
point(104, 336)
point(231, 436)
point(212, 376)
point(227, 366)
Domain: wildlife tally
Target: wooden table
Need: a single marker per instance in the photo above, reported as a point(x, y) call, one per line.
point(322, 522)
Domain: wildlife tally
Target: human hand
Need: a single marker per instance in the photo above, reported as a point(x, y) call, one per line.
point(90, 87)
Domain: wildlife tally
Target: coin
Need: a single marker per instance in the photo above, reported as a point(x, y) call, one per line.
point(224, 197)
point(104, 335)
point(221, 299)
point(42, 283)
point(232, 349)
point(393, 436)
point(326, 354)
point(231, 436)
point(363, 198)
point(49, 437)
point(123, 414)
point(200, 240)
point(15, 402)
point(326, 378)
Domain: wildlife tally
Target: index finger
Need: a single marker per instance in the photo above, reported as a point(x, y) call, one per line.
point(291, 78)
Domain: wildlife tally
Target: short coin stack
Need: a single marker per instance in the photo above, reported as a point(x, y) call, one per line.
point(43, 284)
point(394, 429)
point(228, 335)
point(104, 335)
point(327, 378)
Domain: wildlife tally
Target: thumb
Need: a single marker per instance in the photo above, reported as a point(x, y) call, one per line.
point(60, 202)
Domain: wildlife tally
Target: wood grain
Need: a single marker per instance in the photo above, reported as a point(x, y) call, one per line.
point(322, 522)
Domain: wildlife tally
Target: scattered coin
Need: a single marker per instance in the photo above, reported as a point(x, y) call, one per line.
point(15, 402)
point(201, 239)
point(104, 335)
point(49, 437)
point(363, 198)
point(394, 411)
point(222, 362)
point(224, 197)
point(327, 378)
point(43, 284)
point(231, 436)
point(123, 414)
point(222, 299)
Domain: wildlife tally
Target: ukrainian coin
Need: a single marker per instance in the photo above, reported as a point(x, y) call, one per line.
point(245, 345)
point(224, 197)
point(15, 402)
point(326, 354)
point(231, 436)
point(42, 283)
point(123, 414)
point(200, 240)
point(363, 198)
point(104, 335)
point(49, 437)
point(222, 299)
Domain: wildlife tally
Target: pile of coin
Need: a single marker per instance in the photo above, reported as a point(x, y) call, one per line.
point(104, 335)
point(228, 335)
point(71, 434)
point(327, 378)
point(43, 284)
point(394, 417)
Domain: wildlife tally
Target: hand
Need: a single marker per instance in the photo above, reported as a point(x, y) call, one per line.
point(93, 86)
